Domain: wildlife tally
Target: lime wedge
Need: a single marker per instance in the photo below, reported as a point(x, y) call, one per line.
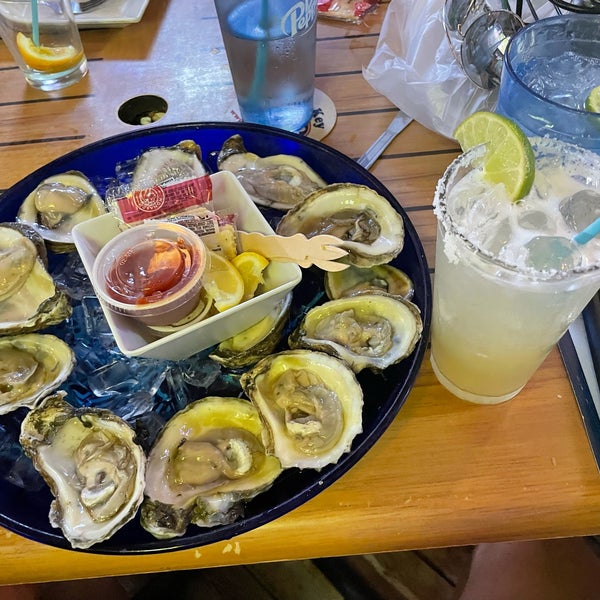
point(592, 102)
point(509, 157)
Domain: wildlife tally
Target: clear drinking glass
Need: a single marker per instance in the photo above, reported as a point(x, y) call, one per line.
point(502, 298)
point(550, 67)
point(43, 38)
point(270, 47)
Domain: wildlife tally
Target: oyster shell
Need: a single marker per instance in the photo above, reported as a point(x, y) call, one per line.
point(164, 522)
point(366, 331)
point(31, 234)
point(371, 229)
point(31, 366)
point(279, 181)
point(16, 263)
point(58, 204)
point(94, 468)
point(311, 404)
point(207, 460)
point(30, 299)
point(166, 165)
point(256, 342)
point(378, 278)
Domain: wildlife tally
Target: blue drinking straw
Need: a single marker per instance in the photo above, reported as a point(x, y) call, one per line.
point(35, 28)
point(261, 54)
point(588, 233)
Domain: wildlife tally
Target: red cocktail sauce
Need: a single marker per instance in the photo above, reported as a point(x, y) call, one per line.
point(150, 271)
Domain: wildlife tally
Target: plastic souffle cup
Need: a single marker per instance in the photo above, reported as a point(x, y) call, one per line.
point(550, 67)
point(498, 310)
point(151, 272)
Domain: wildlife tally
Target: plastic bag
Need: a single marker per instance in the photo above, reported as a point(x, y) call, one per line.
point(415, 68)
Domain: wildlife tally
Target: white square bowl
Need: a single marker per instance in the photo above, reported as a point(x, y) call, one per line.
point(133, 339)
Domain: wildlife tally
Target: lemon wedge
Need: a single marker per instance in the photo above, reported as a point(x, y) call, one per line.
point(222, 282)
point(46, 58)
point(251, 266)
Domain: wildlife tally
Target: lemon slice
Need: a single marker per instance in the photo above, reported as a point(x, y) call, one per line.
point(509, 157)
point(222, 282)
point(251, 266)
point(45, 58)
point(592, 102)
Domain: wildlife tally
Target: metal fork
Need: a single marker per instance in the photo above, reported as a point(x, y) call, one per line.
point(84, 6)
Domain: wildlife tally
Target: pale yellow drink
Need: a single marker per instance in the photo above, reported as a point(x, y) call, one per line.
point(499, 307)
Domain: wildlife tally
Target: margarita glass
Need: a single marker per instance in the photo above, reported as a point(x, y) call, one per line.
point(502, 297)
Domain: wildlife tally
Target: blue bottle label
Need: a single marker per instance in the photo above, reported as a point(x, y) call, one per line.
point(299, 17)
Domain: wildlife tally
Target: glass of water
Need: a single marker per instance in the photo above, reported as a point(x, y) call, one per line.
point(550, 67)
point(43, 38)
point(270, 47)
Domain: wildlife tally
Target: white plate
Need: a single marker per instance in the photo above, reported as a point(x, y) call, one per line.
point(113, 13)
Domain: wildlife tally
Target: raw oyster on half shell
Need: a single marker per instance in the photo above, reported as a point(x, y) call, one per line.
point(371, 230)
point(311, 404)
point(92, 465)
point(31, 366)
point(208, 460)
point(165, 165)
point(29, 299)
point(366, 331)
point(378, 278)
point(279, 181)
point(58, 204)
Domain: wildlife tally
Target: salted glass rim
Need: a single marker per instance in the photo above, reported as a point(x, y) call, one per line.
point(544, 146)
point(525, 31)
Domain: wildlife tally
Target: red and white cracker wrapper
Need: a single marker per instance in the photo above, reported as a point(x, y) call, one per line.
point(137, 206)
point(351, 11)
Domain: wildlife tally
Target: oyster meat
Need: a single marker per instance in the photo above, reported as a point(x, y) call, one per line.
point(371, 230)
point(29, 299)
point(366, 331)
point(167, 165)
point(31, 366)
point(58, 204)
point(16, 263)
point(378, 278)
point(208, 460)
point(92, 465)
point(311, 404)
point(279, 181)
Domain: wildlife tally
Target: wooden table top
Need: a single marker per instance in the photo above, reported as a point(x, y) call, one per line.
point(445, 472)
